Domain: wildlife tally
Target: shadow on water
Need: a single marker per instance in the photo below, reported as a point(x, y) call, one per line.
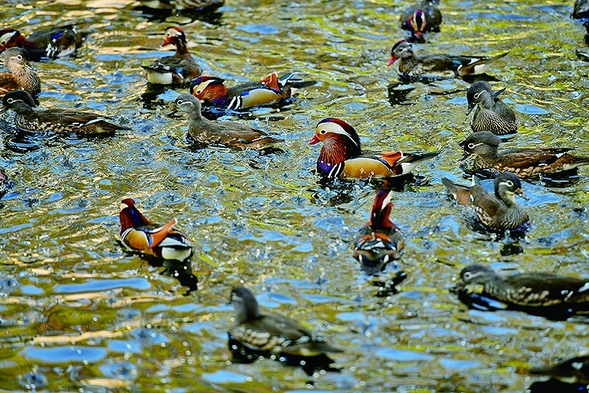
point(181, 271)
point(310, 364)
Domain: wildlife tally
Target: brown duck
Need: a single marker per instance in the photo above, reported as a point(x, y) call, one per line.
point(491, 113)
point(497, 211)
point(21, 75)
point(31, 118)
point(524, 162)
point(414, 65)
point(227, 133)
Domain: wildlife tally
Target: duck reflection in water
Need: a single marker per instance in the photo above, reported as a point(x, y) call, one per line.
point(571, 375)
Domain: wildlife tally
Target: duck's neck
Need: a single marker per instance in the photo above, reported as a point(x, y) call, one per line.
point(181, 48)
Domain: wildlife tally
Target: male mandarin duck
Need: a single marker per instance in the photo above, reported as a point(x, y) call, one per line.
point(269, 90)
point(524, 162)
point(342, 157)
point(43, 44)
point(141, 235)
point(422, 17)
point(414, 65)
point(491, 113)
point(21, 75)
point(497, 211)
point(31, 118)
point(176, 69)
point(379, 241)
point(208, 132)
point(536, 292)
point(272, 334)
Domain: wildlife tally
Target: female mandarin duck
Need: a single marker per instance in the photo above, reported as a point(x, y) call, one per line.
point(272, 334)
point(176, 69)
point(524, 162)
point(497, 212)
point(421, 18)
point(342, 157)
point(269, 90)
point(379, 241)
point(491, 113)
point(205, 131)
point(44, 44)
point(30, 118)
point(141, 235)
point(414, 65)
point(21, 75)
point(536, 292)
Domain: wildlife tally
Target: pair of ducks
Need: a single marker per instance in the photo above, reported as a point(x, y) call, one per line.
point(42, 45)
point(181, 68)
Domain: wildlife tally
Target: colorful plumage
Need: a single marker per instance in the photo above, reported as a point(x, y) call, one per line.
point(179, 68)
point(379, 241)
point(269, 90)
point(421, 18)
point(44, 44)
point(342, 157)
point(141, 235)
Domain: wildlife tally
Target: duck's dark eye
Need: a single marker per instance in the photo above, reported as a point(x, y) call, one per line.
point(10, 100)
point(467, 276)
point(509, 183)
point(2, 43)
point(471, 145)
point(19, 57)
point(477, 95)
point(322, 131)
point(198, 92)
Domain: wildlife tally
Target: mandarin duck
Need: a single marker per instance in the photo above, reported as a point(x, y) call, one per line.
point(414, 66)
point(491, 113)
point(31, 118)
point(138, 234)
point(269, 90)
point(272, 335)
point(176, 69)
point(21, 75)
point(497, 212)
point(208, 132)
point(539, 293)
point(379, 241)
point(573, 370)
point(342, 157)
point(421, 18)
point(524, 162)
point(43, 44)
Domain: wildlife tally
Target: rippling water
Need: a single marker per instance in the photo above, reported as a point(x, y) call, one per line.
point(78, 313)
